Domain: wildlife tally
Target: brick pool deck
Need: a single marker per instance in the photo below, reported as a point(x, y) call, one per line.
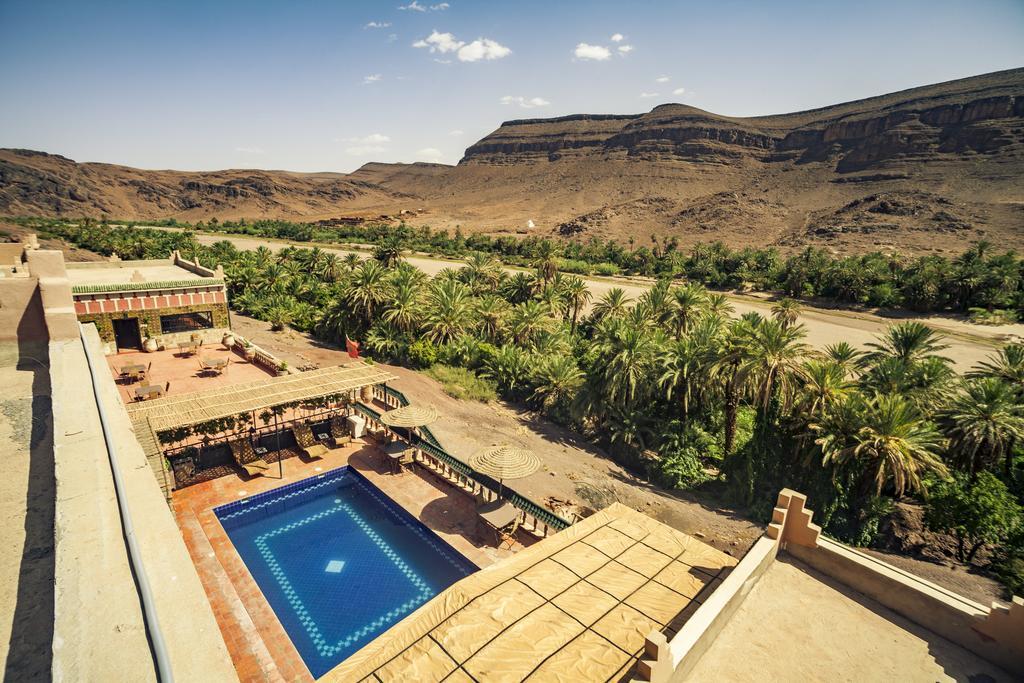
point(259, 646)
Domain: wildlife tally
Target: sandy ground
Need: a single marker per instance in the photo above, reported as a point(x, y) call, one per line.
point(820, 630)
point(968, 343)
point(575, 470)
point(27, 492)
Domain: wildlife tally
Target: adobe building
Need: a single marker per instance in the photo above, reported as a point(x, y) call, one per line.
point(164, 300)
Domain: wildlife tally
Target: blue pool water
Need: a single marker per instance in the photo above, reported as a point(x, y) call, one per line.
point(338, 561)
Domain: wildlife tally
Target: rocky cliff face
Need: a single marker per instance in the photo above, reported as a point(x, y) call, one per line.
point(923, 170)
point(983, 115)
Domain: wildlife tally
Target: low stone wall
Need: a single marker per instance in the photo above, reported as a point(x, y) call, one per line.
point(996, 634)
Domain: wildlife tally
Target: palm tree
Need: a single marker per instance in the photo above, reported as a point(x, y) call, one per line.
point(518, 288)
point(491, 313)
point(908, 342)
point(823, 383)
point(846, 356)
point(350, 261)
point(556, 380)
point(404, 310)
point(629, 360)
point(528, 320)
point(786, 311)
point(773, 362)
point(482, 273)
point(388, 251)
point(983, 422)
point(448, 312)
point(719, 304)
point(612, 305)
point(576, 295)
point(508, 367)
point(547, 265)
point(688, 302)
point(885, 440)
point(1007, 364)
point(367, 290)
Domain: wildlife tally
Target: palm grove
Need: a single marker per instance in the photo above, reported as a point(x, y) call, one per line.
point(674, 386)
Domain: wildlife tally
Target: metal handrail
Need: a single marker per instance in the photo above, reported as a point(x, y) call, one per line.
point(149, 611)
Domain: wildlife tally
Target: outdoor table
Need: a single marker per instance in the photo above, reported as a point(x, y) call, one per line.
point(395, 451)
point(215, 364)
point(148, 392)
point(497, 514)
point(133, 369)
point(188, 348)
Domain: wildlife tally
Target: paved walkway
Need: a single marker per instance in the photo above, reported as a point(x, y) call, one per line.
point(27, 491)
point(259, 646)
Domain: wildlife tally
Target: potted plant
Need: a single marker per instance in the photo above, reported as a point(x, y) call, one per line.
point(228, 340)
point(282, 368)
point(150, 345)
point(248, 350)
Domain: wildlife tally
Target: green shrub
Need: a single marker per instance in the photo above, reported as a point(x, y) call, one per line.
point(606, 269)
point(978, 513)
point(463, 384)
point(423, 353)
point(983, 316)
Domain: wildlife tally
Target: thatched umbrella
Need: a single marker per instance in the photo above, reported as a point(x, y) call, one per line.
point(410, 417)
point(505, 462)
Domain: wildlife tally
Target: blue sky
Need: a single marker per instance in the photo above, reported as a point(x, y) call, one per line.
point(327, 86)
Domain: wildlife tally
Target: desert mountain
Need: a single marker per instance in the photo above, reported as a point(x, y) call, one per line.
point(931, 168)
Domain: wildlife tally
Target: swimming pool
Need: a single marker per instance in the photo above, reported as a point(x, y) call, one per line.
point(338, 561)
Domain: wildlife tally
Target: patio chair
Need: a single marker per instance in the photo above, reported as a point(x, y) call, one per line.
point(307, 442)
point(247, 459)
point(339, 431)
point(508, 535)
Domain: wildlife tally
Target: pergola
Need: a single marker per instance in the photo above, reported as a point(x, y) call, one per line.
point(198, 407)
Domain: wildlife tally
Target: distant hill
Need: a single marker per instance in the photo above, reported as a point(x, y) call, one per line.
point(931, 168)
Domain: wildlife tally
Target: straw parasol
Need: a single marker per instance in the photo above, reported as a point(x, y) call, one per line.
point(505, 462)
point(410, 416)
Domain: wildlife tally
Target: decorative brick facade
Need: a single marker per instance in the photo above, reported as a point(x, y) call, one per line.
point(103, 308)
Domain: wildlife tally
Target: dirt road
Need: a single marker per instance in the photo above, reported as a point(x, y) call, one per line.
point(968, 343)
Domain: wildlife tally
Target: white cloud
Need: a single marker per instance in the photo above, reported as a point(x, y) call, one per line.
point(618, 38)
point(662, 79)
point(372, 78)
point(649, 94)
point(415, 6)
point(456, 133)
point(525, 102)
point(250, 150)
point(595, 52)
point(429, 154)
point(439, 42)
point(378, 24)
point(374, 143)
point(625, 49)
point(679, 91)
point(392, 37)
point(483, 48)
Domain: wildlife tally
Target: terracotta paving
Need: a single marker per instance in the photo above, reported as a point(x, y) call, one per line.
point(183, 371)
point(259, 646)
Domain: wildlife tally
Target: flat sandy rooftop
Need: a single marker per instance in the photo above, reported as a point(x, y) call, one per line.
point(121, 274)
point(797, 624)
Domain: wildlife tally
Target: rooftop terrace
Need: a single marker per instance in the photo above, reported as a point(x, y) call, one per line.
point(123, 272)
